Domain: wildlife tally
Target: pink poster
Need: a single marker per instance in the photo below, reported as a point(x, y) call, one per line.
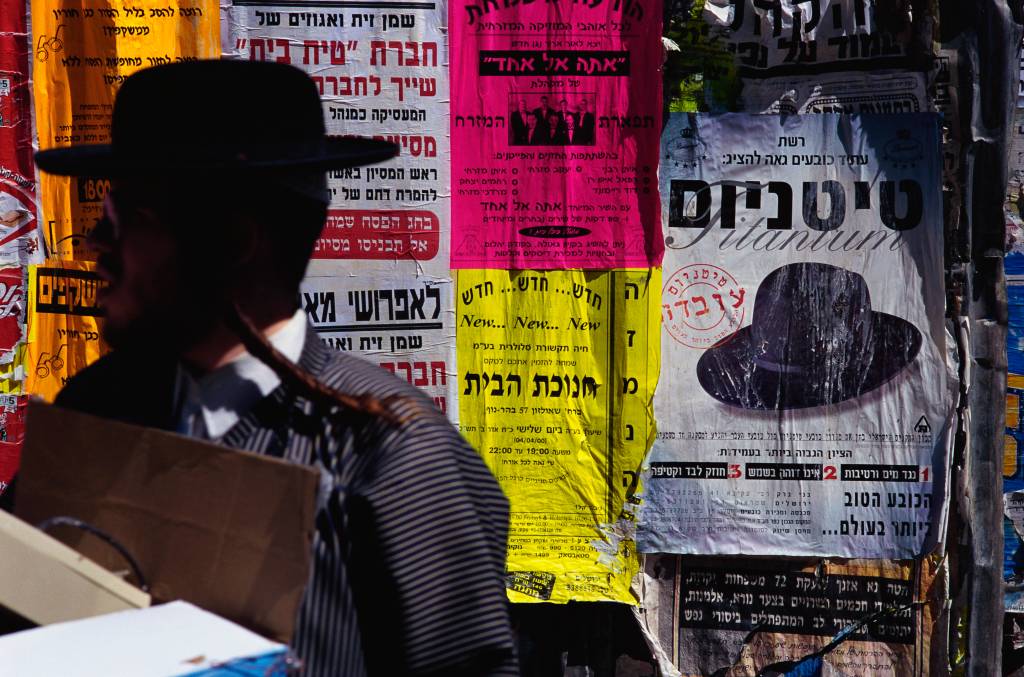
point(556, 116)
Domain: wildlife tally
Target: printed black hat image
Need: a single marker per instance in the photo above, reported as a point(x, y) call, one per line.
point(215, 115)
point(813, 341)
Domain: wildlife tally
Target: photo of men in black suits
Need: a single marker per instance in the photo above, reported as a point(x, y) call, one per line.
point(535, 134)
point(543, 113)
point(585, 122)
point(573, 134)
point(557, 126)
point(534, 122)
point(518, 124)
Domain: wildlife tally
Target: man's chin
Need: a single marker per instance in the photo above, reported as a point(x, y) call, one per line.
point(153, 333)
point(121, 335)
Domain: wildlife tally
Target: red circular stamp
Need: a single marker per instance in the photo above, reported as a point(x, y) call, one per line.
point(702, 305)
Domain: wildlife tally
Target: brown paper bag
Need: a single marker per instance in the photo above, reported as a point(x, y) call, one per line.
point(226, 530)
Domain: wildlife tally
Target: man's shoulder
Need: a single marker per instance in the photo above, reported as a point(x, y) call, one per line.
point(122, 385)
point(357, 376)
point(106, 373)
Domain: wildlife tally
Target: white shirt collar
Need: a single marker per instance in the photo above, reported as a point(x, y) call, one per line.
point(212, 404)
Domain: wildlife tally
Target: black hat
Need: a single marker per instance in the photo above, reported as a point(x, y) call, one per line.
point(814, 340)
point(216, 116)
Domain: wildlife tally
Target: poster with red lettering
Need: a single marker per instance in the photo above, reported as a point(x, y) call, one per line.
point(379, 284)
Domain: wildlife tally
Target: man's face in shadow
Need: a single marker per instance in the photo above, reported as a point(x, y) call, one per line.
point(153, 297)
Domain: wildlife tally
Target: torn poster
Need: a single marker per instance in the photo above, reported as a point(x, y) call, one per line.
point(796, 37)
point(806, 401)
point(82, 52)
point(852, 92)
point(860, 617)
point(379, 284)
point(796, 57)
point(12, 312)
point(19, 227)
point(556, 112)
point(556, 374)
point(63, 325)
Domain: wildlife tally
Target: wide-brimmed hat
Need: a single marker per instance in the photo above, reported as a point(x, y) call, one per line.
point(813, 341)
point(215, 116)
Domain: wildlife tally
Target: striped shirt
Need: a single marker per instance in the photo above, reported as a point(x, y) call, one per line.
point(409, 549)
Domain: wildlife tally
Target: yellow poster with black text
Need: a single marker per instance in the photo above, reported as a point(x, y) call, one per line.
point(82, 50)
point(557, 371)
point(63, 325)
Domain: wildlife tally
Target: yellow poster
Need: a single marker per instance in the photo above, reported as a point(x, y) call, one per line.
point(63, 325)
point(557, 370)
point(82, 51)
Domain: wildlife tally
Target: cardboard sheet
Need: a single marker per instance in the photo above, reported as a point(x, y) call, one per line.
point(224, 529)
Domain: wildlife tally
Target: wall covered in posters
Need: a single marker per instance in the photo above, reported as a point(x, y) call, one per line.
point(19, 227)
point(379, 284)
point(788, 361)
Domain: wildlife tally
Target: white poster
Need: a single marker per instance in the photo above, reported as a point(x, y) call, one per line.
point(379, 283)
point(805, 400)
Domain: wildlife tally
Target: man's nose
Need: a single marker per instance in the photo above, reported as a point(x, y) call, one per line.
point(101, 238)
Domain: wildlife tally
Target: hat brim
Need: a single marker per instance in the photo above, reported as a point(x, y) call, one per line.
point(729, 371)
point(101, 160)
